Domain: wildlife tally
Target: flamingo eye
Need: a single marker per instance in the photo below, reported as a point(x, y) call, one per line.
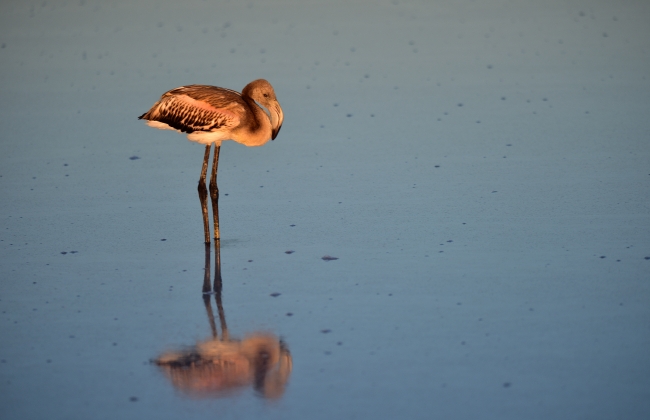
point(266, 95)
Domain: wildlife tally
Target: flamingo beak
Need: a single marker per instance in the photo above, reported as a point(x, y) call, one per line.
point(277, 117)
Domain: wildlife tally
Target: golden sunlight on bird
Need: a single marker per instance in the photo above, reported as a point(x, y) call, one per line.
point(210, 114)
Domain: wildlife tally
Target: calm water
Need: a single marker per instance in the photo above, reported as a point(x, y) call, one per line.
point(478, 169)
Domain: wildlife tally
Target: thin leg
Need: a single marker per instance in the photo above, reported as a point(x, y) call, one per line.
point(206, 160)
point(203, 195)
point(214, 191)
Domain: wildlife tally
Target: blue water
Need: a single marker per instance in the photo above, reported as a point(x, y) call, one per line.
point(479, 169)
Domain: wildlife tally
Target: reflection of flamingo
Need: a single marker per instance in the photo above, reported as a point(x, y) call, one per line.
point(210, 114)
point(219, 366)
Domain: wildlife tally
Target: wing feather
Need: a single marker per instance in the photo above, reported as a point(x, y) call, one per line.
point(198, 108)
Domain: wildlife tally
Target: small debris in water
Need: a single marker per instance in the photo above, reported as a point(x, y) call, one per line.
point(292, 225)
point(289, 314)
point(326, 331)
point(133, 399)
point(63, 252)
point(506, 384)
point(329, 258)
point(289, 252)
point(602, 256)
point(163, 240)
point(134, 157)
point(275, 294)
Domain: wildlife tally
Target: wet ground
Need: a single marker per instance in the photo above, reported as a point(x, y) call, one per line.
point(453, 222)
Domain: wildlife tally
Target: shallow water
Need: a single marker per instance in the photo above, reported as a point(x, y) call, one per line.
point(479, 169)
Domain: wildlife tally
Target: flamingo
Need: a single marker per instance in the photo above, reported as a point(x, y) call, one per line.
point(211, 114)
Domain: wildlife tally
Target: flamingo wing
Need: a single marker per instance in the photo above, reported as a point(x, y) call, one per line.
point(198, 108)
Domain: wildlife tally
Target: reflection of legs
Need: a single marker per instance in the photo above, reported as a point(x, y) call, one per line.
point(206, 271)
point(206, 292)
point(217, 263)
point(217, 288)
point(203, 195)
point(214, 191)
point(214, 197)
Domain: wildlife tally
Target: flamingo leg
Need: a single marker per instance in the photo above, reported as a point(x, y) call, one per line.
point(214, 191)
point(203, 195)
